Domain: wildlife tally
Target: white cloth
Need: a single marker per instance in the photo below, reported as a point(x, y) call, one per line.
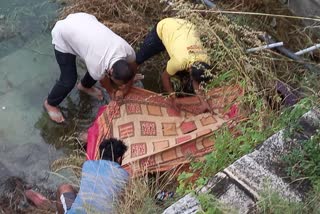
point(83, 35)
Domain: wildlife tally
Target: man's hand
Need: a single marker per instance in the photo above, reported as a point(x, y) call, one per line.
point(116, 95)
point(105, 83)
point(119, 95)
point(204, 107)
point(174, 103)
point(112, 94)
point(138, 77)
point(165, 77)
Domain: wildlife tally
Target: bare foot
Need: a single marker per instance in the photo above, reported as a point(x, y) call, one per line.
point(93, 91)
point(54, 112)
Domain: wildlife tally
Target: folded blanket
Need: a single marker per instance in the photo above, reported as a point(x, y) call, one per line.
point(158, 137)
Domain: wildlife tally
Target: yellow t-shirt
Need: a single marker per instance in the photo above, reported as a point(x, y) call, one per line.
point(182, 43)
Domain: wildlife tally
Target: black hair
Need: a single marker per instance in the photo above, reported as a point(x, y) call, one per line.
point(111, 149)
point(121, 71)
point(198, 72)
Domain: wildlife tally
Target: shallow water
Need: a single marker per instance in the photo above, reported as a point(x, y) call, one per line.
point(29, 141)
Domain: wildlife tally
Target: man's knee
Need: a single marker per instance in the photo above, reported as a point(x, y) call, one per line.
point(65, 188)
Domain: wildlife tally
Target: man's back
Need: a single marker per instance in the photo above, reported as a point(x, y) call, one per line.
point(182, 43)
point(101, 182)
point(83, 35)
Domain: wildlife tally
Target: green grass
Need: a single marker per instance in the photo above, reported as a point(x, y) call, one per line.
point(272, 202)
point(210, 205)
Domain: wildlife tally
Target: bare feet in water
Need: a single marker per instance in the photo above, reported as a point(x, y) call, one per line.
point(93, 91)
point(54, 112)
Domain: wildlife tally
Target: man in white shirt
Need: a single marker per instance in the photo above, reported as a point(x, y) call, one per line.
point(108, 57)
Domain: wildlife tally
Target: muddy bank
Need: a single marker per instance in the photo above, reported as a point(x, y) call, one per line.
point(29, 161)
point(25, 166)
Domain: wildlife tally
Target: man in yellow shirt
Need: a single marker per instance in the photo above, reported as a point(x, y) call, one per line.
point(187, 55)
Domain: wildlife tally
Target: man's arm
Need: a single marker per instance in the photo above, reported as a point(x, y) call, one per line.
point(126, 88)
point(201, 94)
point(133, 67)
point(105, 82)
point(168, 88)
point(165, 77)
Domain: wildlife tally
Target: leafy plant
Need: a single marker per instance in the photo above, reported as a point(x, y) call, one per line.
point(272, 202)
point(211, 205)
point(304, 161)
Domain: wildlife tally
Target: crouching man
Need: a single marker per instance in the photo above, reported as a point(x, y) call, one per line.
point(101, 182)
point(188, 58)
point(108, 58)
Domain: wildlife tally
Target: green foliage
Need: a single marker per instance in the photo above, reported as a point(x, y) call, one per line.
point(148, 207)
point(210, 205)
point(304, 161)
point(289, 117)
point(221, 79)
point(272, 202)
point(184, 186)
point(229, 147)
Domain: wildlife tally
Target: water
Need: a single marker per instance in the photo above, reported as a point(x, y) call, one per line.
point(29, 141)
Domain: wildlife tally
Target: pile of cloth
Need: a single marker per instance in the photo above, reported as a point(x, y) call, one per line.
point(158, 136)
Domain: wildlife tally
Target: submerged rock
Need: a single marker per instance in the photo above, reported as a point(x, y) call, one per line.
point(31, 162)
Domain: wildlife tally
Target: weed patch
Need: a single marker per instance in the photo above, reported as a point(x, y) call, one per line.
point(303, 162)
point(272, 202)
point(210, 205)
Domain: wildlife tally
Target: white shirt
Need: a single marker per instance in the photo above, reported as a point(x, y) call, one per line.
point(83, 35)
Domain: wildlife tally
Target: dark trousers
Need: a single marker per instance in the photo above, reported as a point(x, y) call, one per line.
point(68, 78)
point(151, 46)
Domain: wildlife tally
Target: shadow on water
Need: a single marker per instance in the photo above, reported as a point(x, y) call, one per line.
point(79, 115)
